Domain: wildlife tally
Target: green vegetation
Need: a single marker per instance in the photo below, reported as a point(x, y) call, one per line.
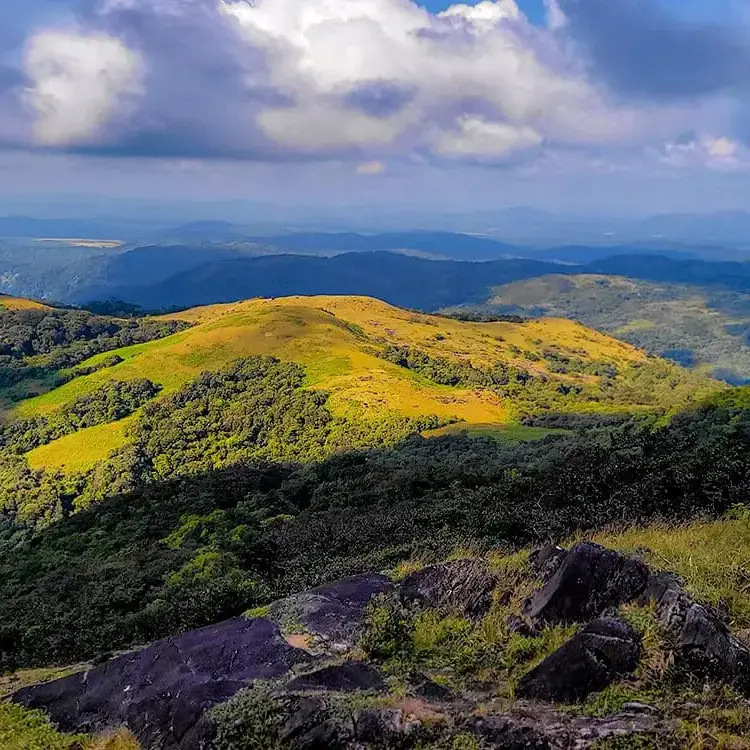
point(695, 326)
point(355, 373)
point(110, 403)
point(274, 445)
point(31, 730)
point(174, 553)
point(21, 729)
point(39, 343)
point(457, 649)
point(652, 383)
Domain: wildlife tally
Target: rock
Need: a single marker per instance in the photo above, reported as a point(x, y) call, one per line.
point(385, 727)
point(334, 613)
point(162, 691)
point(521, 626)
point(590, 731)
point(589, 580)
point(312, 726)
point(536, 727)
point(603, 651)
point(636, 707)
point(464, 587)
point(703, 644)
point(423, 687)
point(511, 733)
point(545, 561)
point(349, 677)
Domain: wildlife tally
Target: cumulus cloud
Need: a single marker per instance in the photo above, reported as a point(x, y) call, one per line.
point(373, 80)
point(77, 84)
point(714, 152)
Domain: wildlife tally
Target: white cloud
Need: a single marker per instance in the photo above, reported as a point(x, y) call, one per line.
point(78, 81)
point(477, 138)
point(361, 79)
point(713, 152)
point(481, 56)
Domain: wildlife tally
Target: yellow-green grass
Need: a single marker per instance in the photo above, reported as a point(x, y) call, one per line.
point(635, 325)
point(19, 303)
point(712, 558)
point(23, 729)
point(337, 340)
point(507, 433)
point(81, 450)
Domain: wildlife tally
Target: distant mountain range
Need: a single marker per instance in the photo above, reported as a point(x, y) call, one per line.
point(701, 233)
point(400, 279)
point(426, 270)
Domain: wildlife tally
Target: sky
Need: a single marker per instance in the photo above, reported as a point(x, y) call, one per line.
point(579, 106)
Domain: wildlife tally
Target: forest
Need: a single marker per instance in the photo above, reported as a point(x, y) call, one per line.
point(176, 549)
point(39, 343)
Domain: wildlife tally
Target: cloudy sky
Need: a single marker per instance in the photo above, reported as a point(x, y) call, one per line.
point(581, 105)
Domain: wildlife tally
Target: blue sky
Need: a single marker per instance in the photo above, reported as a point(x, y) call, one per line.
point(534, 9)
point(571, 105)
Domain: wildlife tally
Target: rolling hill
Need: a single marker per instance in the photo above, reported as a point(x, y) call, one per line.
point(705, 327)
point(380, 373)
point(21, 303)
point(236, 455)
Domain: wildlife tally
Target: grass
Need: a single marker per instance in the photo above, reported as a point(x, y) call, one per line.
point(712, 558)
point(22, 729)
point(81, 450)
point(20, 303)
point(457, 651)
point(337, 340)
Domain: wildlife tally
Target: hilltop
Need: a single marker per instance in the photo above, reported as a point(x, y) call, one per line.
point(374, 362)
point(21, 303)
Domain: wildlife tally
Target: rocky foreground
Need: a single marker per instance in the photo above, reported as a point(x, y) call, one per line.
point(306, 676)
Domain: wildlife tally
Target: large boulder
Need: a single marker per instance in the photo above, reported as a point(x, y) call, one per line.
point(333, 614)
point(603, 651)
point(463, 587)
point(162, 692)
point(545, 728)
point(589, 580)
point(702, 643)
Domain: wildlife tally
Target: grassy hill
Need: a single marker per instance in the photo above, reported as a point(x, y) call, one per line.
point(340, 343)
point(702, 327)
point(20, 303)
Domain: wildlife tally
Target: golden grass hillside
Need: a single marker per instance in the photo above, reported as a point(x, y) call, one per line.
point(19, 303)
point(338, 341)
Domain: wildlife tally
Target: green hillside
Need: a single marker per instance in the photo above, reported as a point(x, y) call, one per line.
point(374, 365)
point(698, 327)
